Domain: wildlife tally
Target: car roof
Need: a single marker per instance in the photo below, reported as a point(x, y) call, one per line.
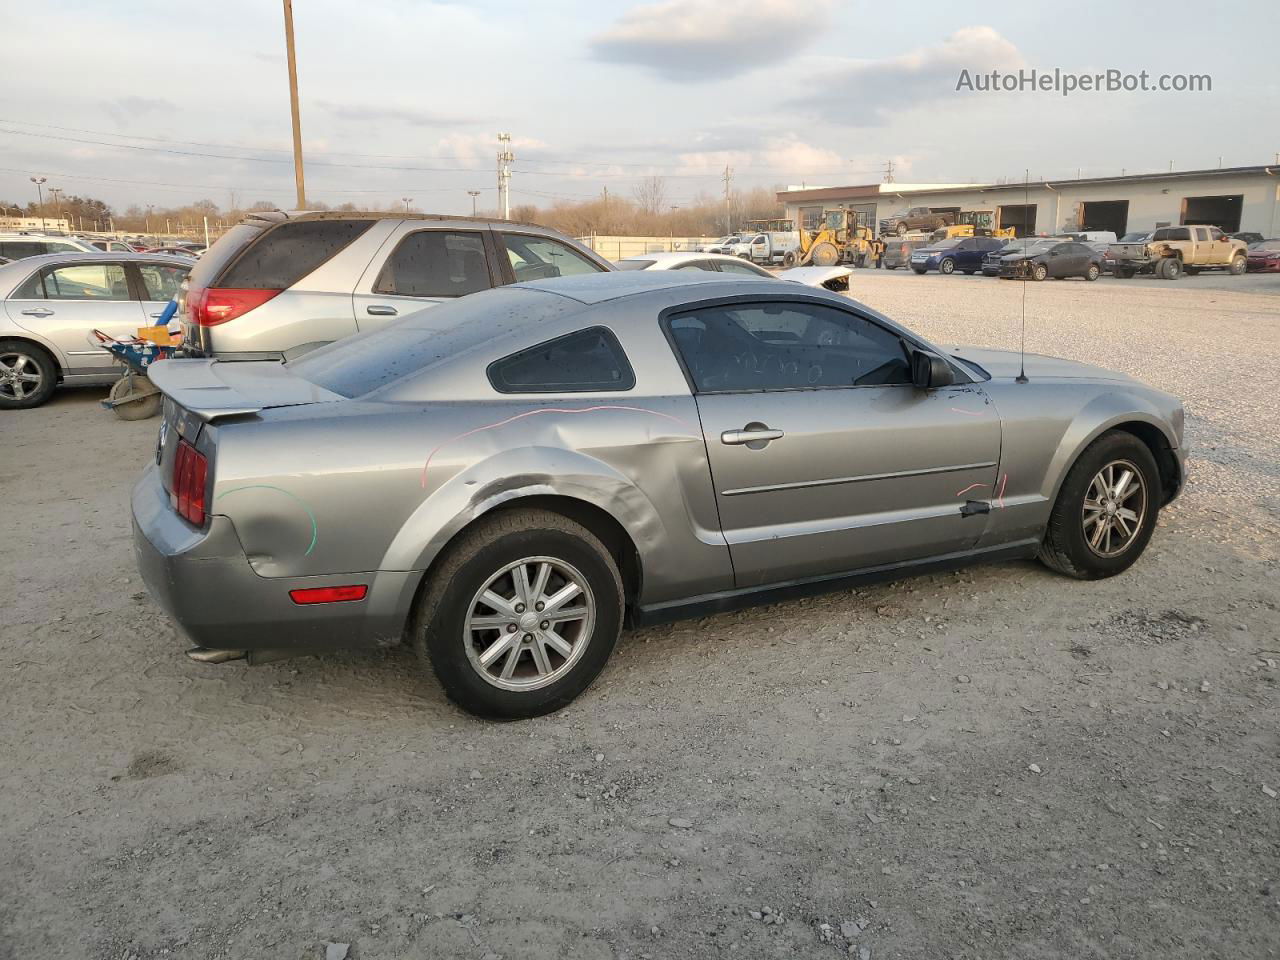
point(593, 288)
point(21, 268)
point(680, 256)
point(280, 216)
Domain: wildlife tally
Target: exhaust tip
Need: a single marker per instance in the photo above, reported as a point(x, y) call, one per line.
point(206, 655)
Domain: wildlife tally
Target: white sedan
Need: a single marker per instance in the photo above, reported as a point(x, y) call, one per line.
point(830, 278)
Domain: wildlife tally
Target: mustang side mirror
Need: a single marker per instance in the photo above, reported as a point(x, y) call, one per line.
point(928, 370)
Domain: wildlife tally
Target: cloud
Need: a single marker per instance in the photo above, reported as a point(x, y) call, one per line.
point(124, 109)
point(367, 113)
point(711, 39)
point(868, 93)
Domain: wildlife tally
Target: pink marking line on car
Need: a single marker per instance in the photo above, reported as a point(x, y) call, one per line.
point(1004, 480)
point(972, 486)
point(534, 413)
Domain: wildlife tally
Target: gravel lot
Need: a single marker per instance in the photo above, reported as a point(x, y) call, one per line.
point(994, 763)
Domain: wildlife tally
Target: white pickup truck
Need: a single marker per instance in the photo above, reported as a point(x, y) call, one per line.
point(1171, 251)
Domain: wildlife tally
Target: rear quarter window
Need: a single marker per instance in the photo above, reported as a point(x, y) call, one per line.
point(586, 361)
point(286, 253)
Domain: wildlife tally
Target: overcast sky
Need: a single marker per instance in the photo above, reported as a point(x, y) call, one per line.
point(605, 92)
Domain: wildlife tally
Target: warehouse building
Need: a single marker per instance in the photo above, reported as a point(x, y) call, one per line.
point(1233, 199)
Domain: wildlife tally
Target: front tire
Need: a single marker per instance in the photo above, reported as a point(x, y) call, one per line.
point(520, 615)
point(947, 266)
point(1106, 509)
point(27, 375)
point(1238, 266)
point(1039, 272)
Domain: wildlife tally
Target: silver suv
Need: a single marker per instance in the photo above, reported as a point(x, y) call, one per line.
point(278, 285)
point(19, 246)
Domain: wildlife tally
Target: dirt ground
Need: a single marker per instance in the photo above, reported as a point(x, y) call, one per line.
point(995, 763)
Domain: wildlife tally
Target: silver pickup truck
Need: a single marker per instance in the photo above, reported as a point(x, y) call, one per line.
point(1171, 251)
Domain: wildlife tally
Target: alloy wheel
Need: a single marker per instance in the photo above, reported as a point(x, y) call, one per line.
point(1114, 508)
point(529, 624)
point(20, 376)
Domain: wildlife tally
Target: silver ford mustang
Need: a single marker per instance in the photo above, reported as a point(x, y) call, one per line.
point(505, 479)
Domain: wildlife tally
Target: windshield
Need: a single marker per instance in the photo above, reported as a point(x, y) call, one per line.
point(946, 244)
point(1265, 245)
point(634, 264)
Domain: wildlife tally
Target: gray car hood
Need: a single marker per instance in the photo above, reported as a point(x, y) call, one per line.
point(1003, 364)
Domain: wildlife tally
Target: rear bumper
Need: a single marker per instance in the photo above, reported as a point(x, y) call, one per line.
point(204, 581)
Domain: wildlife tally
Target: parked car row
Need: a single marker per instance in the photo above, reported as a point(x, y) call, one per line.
point(1030, 258)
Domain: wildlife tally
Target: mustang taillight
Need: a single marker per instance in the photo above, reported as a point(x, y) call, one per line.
point(186, 491)
point(210, 306)
point(355, 591)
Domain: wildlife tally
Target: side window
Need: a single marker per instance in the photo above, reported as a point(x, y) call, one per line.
point(435, 263)
point(741, 268)
point(696, 265)
point(786, 346)
point(537, 258)
point(1180, 233)
point(586, 361)
point(1161, 234)
point(1216, 234)
point(31, 289)
point(18, 249)
point(1202, 233)
point(160, 281)
point(59, 247)
point(87, 281)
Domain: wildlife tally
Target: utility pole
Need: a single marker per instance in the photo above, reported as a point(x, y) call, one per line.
point(473, 194)
point(505, 159)
point(55, 192)
point(888, 171)
point(293, 105)
point(728, 213)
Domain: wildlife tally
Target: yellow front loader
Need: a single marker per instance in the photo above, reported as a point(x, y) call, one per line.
point(845, 236)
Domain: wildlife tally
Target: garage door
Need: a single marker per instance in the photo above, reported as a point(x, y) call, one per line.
point(1110, 215)
point(1221, 212)
point(1022, 217)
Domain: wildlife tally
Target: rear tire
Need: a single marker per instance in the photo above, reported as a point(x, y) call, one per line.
point(442, 626)
point(1092, 273)
point(1067, 544)
point(28, 375)
point(789, 258)
point(920, 270)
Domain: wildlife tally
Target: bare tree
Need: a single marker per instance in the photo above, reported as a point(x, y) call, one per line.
point(651, 194)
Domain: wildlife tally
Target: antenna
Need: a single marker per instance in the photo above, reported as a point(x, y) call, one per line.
point(1026, 206)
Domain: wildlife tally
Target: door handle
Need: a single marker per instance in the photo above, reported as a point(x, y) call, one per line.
point(37, 312)
point(761, 434)
point(380, 310)
point(155, 316)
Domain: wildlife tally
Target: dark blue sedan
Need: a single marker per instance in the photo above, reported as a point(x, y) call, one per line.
point(959, 253)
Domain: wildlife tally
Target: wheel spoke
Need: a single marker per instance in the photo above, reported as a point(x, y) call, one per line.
point(496, 649)
point(524, 591)
point(29, 377)
point(540, 582)
point(20, 364)
point(540, 660)
point(489, 622)
point(1122, 485)
point(501, 604)
point(513, 658)
point(1096, 540)
point(567, 613)
point(557, 643)
point(1128, 514)
point(19, 390)
point(561, 597)
point(1120, 524)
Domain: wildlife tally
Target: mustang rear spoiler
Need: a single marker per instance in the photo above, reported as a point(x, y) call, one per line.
point(213, 389)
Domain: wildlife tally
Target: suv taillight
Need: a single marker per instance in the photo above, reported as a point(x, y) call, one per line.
point(190, 474)
point(210, 306)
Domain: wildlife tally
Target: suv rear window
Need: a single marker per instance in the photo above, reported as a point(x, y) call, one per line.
point(285, 254)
